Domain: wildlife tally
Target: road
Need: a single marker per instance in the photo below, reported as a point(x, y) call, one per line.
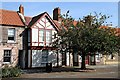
point(102, 71)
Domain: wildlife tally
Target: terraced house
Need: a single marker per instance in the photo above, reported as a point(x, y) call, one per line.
point(11, 43)
point(25, 41)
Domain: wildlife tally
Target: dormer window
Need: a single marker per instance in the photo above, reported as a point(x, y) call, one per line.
point(11, 35)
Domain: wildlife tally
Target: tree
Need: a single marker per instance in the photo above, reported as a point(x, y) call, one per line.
point(87, 37)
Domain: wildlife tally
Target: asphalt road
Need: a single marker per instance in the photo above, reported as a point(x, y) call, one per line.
point(102, 71)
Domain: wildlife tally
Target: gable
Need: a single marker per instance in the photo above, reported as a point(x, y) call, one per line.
point(43, 21)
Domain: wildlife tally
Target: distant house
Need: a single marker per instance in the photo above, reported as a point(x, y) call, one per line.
point(25, 41)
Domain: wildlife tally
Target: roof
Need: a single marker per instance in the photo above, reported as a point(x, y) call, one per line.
point(118, 31)
point(57, 23)
point(10, 18)
point(27, 19)
point(36, 18)
point(103, 27)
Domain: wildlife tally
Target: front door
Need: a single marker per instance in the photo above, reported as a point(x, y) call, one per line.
point(21, 59)
point(64, 58)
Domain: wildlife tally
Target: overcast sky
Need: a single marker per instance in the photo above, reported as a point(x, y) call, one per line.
point(77, 9)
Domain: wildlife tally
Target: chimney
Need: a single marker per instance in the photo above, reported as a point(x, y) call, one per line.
point(56, 14)
point(21, 9)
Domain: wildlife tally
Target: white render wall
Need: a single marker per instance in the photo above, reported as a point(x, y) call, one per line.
point(34, 36)
point(41, 25)
point(67, 59)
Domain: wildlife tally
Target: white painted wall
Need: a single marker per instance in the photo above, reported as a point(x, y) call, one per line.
point(79, 60)
point(97, 57)
point(34, 36)
point(67, 59)
point(40, 24)
point(60, 58)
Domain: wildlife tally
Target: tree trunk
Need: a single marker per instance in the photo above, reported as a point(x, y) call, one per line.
point(83, 66)
point(94, 59)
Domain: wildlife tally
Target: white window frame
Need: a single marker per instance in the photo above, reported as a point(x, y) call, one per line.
point(41, 36)
point(49, 36)
point(11, 41)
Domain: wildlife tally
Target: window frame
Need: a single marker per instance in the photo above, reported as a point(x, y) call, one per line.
point(14, 35)
point(49, 37)
point(41, 38)
point(8, 52)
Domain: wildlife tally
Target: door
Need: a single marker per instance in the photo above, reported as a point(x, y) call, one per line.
point(64, 58)
point(21, 59)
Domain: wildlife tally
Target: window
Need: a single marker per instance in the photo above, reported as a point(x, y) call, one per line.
point(11, 34)
point(48, 36)
point(7, 56)
point(41, 35)
point(45, 36)
point(44, 56)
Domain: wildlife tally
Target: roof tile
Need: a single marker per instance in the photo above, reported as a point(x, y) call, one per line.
point(10, 18)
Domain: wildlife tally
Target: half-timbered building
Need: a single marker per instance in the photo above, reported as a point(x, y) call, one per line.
point(41, 32)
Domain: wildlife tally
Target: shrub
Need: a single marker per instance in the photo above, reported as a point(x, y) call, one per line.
point(11, 72)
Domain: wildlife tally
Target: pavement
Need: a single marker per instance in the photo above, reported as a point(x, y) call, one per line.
point(102, 66)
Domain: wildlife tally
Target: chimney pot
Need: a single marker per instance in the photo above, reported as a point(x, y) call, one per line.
point(21, 9)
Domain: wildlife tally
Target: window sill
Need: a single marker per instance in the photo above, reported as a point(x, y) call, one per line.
point(11, 42)
point(6, 62)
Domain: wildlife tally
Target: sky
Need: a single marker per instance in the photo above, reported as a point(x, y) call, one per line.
point(77, 9)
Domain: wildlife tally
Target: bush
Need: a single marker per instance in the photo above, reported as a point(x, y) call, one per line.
point(11, 72)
